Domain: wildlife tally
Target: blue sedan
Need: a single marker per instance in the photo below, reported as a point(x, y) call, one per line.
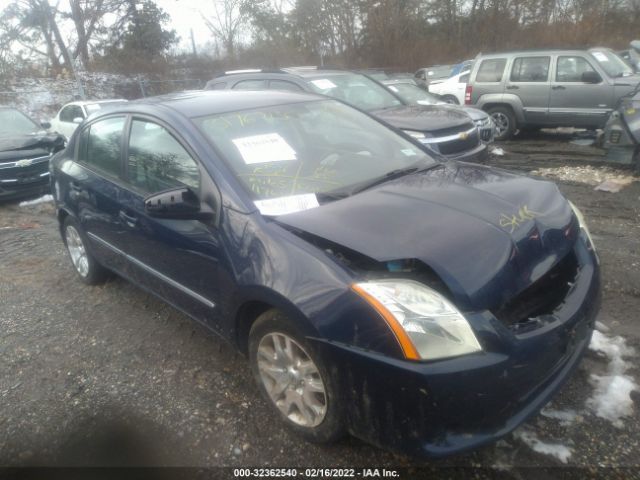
point(423, 305)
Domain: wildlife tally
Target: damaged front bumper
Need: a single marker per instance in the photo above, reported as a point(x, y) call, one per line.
point(444, 407)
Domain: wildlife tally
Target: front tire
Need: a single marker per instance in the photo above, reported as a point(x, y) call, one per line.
point(85, 265)
point(505, 122)
point(294, 379)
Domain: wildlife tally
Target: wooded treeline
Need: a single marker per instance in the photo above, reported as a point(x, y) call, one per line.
point(135, 35)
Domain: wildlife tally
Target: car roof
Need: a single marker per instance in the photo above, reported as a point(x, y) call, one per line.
point(193, 104)
point(93, 102)
point(535, 51)
point(300, 72)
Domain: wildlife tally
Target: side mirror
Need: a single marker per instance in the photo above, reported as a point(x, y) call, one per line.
point(77, 120)
point(177, 204)
point(591, 77)
point(44, 124)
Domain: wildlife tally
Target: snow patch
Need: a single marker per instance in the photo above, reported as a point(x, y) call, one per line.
point(611, 399)
point(43, 199)
point(557, 450)
point(497, 151)
point(566, 417)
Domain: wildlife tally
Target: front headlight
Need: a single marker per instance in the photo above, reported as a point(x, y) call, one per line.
point(583, 224)
point(426, 324)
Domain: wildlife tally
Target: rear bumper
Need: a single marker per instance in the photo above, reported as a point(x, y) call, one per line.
point(444, 407)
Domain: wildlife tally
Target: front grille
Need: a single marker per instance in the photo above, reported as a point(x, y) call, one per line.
point(460, 145)
point(12, 174)
point(485, 134)
point(541, 298)
point(445, 132)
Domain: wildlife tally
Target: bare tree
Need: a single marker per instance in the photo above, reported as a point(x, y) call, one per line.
point(226, 21)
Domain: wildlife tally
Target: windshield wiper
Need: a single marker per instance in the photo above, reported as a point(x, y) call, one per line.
point(360, 187)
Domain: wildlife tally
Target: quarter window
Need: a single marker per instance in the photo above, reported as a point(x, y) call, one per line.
point(491, 70)
point(570, 69)
point(530, 69)
point(103, 145)
point(157, 161)
point(250, 85)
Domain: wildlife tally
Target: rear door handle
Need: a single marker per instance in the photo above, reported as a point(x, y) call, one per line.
point(558, 87)
point(512, 87)
point(129, 220)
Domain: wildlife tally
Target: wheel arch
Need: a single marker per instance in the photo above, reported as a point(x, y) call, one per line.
point(513, 102)
point(255, 303)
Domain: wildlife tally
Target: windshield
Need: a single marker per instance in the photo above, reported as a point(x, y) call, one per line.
point(611, 63)
point(300, 152)
point(355, 89)
point(413, 94)
point(13, 122)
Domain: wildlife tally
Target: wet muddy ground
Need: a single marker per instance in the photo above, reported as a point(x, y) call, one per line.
point(111, 375)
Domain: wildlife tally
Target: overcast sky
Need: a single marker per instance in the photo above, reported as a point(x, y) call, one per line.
point(185, 14)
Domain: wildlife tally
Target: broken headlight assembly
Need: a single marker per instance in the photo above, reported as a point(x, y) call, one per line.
point(426, 325)
point(583, 226)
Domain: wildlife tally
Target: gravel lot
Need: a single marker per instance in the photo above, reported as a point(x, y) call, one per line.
point(111, 375)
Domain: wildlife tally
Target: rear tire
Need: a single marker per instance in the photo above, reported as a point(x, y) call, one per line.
point(451, 99)
point(294, 379)
point(505, 122)
point(85, 265)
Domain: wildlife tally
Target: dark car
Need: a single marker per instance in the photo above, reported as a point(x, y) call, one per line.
point(448, 132)
point(423, 306)
point(25, 150)
point(413, 94)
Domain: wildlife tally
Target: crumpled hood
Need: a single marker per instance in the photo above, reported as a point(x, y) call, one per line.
point(14, 147)
point(488, 234)
point(424, 118)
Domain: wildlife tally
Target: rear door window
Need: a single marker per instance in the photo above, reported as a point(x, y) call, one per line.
point(530, 69)
point(571, 68)
point(104, 145)
point(157, 161)
point(491, 70)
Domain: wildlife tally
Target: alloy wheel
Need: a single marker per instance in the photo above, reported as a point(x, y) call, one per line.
point(501, 121)
point(77, 251)
point(292, 380)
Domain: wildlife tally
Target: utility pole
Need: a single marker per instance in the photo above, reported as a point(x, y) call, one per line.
point(193, 44)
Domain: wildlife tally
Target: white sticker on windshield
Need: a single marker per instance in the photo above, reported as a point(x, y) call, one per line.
point(267, 148)
point(409, 152)
point(393, 89)
point(324, 84)
point(601, 57)
point(284, 205)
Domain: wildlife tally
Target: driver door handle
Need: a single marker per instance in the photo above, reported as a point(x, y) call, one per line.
point(129, 220)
